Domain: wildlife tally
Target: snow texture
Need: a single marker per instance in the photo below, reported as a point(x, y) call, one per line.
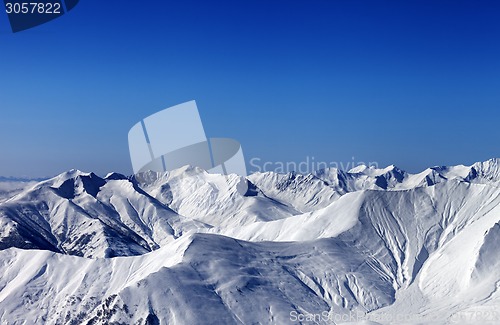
point(366, 246)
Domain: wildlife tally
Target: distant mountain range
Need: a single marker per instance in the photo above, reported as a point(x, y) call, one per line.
point(21, 179)
point(186, 247)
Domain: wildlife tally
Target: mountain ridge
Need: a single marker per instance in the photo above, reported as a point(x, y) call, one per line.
point(187, 247)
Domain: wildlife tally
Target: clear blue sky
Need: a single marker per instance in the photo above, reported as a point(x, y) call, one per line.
point(411, 83)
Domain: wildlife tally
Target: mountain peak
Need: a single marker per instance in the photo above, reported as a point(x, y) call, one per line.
point(374, 171)
point(75, 183)
point(115, 176)
point(358, 169)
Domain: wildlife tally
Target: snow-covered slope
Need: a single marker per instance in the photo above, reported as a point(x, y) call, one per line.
point(212, 198)
point(82, 214)
point(376, 246)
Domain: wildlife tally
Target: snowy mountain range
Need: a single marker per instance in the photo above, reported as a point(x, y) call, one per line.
point(365, 246)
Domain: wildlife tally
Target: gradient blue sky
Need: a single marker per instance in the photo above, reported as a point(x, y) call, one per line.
point(414, 83)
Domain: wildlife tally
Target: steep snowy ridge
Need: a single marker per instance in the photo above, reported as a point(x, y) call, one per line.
point(190, 247)
point(304, 192)
point(213, 199)
point(488, 171)
point(82, 214)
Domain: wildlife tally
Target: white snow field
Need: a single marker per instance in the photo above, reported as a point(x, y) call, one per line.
point(366, 246)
